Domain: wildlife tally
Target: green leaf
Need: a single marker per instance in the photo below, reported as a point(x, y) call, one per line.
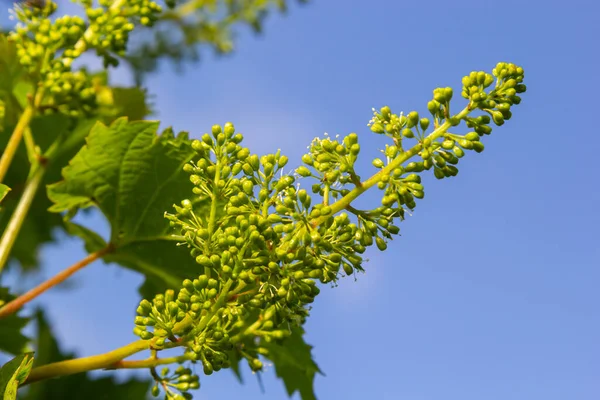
point(294, 364)
point(14, 373)
point(130, 102)
point(133, 176)
point(12, 341)
point(79, 386)
point(3, 191)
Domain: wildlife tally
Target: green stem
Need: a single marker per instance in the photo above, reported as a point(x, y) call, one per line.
point(21, 129)
point(13, 143)
point(18, 217)
point(30, 145)
point(213, 205)
point(345, 201)
point(149, 362)
point(69, 367)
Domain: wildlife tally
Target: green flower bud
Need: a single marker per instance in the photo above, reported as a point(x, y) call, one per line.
point(216, 129)
point(274, 218)
point(307, 159)
point(448, 93)
point(413, 119)
point(465, 144)
point(303, 171)
point(269, 169)
point(433, 106)
point(478, 147)
point(439, 95)
point(498, 118)
point(458, 151)
point(207, 139)
point(378, 163)
point(385, 112)
point(483, 129)
point(229, 129)
point(377, 128)
point(243, 154)
point(472, 136)
point(391, 151)
point(283, 160)
point(448, 144)
point(381, 244)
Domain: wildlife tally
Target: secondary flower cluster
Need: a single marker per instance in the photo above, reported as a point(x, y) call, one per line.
point(47, 47)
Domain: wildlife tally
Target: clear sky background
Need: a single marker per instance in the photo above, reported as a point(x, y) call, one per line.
point(491, 292)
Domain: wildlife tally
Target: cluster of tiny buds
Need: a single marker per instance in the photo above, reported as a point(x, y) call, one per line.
point(182, 380)
point(264, 242)
point(47, 47)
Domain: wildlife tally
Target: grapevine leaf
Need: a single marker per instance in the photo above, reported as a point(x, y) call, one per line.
point(65, 136)
point(294, 364)
point(14, 373)
point(12, 341)
point(132, 175)
point(79, 386)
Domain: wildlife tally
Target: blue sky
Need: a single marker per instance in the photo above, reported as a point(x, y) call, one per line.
point(491, 292)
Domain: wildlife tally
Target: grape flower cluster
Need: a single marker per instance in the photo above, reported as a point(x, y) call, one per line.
point(47, 46)
point(264, 243)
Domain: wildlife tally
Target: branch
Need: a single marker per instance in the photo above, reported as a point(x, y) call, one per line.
point(20, 301)
point(18, 217)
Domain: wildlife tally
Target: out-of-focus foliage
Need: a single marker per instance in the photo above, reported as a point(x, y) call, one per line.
point(182, 29)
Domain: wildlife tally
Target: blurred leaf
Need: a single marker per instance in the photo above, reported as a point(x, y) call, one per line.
point(14, 373)
point(294, 364)
point(235, 359)
point(13, 87)
point(79, 386)
point(180, 32)
point(12, 341)
point(133, 176)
